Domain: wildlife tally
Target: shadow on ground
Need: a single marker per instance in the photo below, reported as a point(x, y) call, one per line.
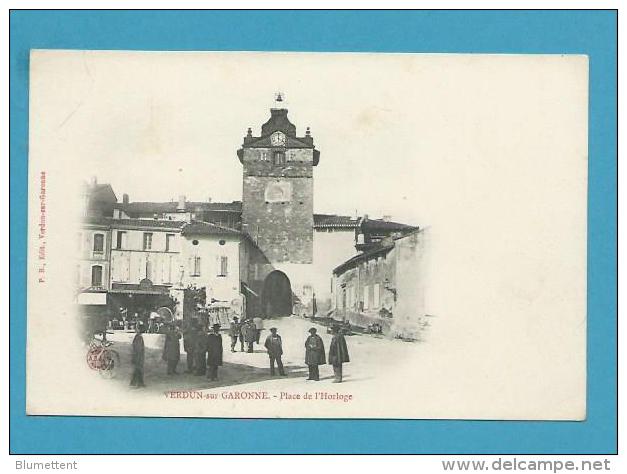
point(229, 374)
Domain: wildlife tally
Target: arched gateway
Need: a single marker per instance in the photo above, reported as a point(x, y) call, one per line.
point(276, 298)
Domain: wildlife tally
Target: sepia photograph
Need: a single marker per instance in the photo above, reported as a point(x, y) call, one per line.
point(307, 235)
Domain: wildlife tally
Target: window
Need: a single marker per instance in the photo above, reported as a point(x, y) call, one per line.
point(96, 275)
point(264, 155)
point(169, 242)
point(366, 297)
point(120, 242)
point(120, 268)
point(195, 264)
point(376, 296)
point(147, 240)
point(290, 155)
point(98, 242)
point(279, 157)
point(224, 266)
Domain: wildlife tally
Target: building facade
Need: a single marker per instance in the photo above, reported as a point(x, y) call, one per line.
point(384, 286)
point(266, 255)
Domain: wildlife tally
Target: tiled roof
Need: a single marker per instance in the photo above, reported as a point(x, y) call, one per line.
point(362, 257)
point(373, 225)
point(332, 220)
point(147, 223)
point(97, 220)
point(207, 228)
point(147, 207)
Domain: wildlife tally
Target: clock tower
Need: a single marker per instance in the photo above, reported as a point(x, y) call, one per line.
point(277, 198)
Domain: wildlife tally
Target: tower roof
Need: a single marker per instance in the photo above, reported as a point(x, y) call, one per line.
point(278, 121)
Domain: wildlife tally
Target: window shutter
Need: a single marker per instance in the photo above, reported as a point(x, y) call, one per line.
point(127, 268)
point(114, 268)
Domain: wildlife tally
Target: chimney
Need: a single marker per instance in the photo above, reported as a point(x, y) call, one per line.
point(181, 203)
point(125, 198)
point(93, 181)
point(387, 218)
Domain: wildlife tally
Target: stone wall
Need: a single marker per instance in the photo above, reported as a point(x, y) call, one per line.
point(277, 204)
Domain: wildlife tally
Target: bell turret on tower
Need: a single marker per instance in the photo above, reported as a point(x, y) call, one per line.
point(277, 199)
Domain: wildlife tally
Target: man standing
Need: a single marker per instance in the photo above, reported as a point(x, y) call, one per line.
point(314, 354)
point(250, 334)
point(200, 352)
point(338, 352)
point(172, 348)
point(137, 358)
point(258, 327)
point(189, 342)
point(235, 331)
point(214, 352)
point(274, 345)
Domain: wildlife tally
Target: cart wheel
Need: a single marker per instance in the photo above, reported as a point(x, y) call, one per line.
point(110, 364)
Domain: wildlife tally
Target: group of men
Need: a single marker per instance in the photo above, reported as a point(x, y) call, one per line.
point(204, 349)
point(315, 354)
point(247, 331)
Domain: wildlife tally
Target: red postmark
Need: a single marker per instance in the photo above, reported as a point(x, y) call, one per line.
point(94, 358)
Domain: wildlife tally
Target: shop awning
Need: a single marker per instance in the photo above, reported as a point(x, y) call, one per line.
point(143, 288)
point(92, 298)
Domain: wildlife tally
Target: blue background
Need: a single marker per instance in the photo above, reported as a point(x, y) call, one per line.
point(582, 32)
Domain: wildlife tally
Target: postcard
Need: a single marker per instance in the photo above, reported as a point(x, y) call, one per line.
point(307, 235)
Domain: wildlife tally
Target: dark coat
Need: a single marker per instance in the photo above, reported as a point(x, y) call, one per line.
point(172, 346)
point(314, 350)
point(201, 343)
point(138, 351)
point(274, 345)
point(189, 339)
point(214, 349)
point(338, 351)
point(250, 332)
point(235, 329)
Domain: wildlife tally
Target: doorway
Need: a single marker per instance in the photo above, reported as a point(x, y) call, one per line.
point(277, 295)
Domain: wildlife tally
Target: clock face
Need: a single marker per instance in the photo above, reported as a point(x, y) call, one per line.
point(277, 139)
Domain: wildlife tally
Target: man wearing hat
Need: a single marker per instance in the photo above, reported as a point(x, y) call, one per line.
point(249, 332)
point(338, 352)
point(200, 352)
point(171, 349)
point(137, 358)
point(189, 342)
point(314, 354)
point(274, 346)
point(235, 331)
point(214, 351)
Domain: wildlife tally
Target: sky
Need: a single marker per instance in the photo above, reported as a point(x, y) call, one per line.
point(159, 125)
